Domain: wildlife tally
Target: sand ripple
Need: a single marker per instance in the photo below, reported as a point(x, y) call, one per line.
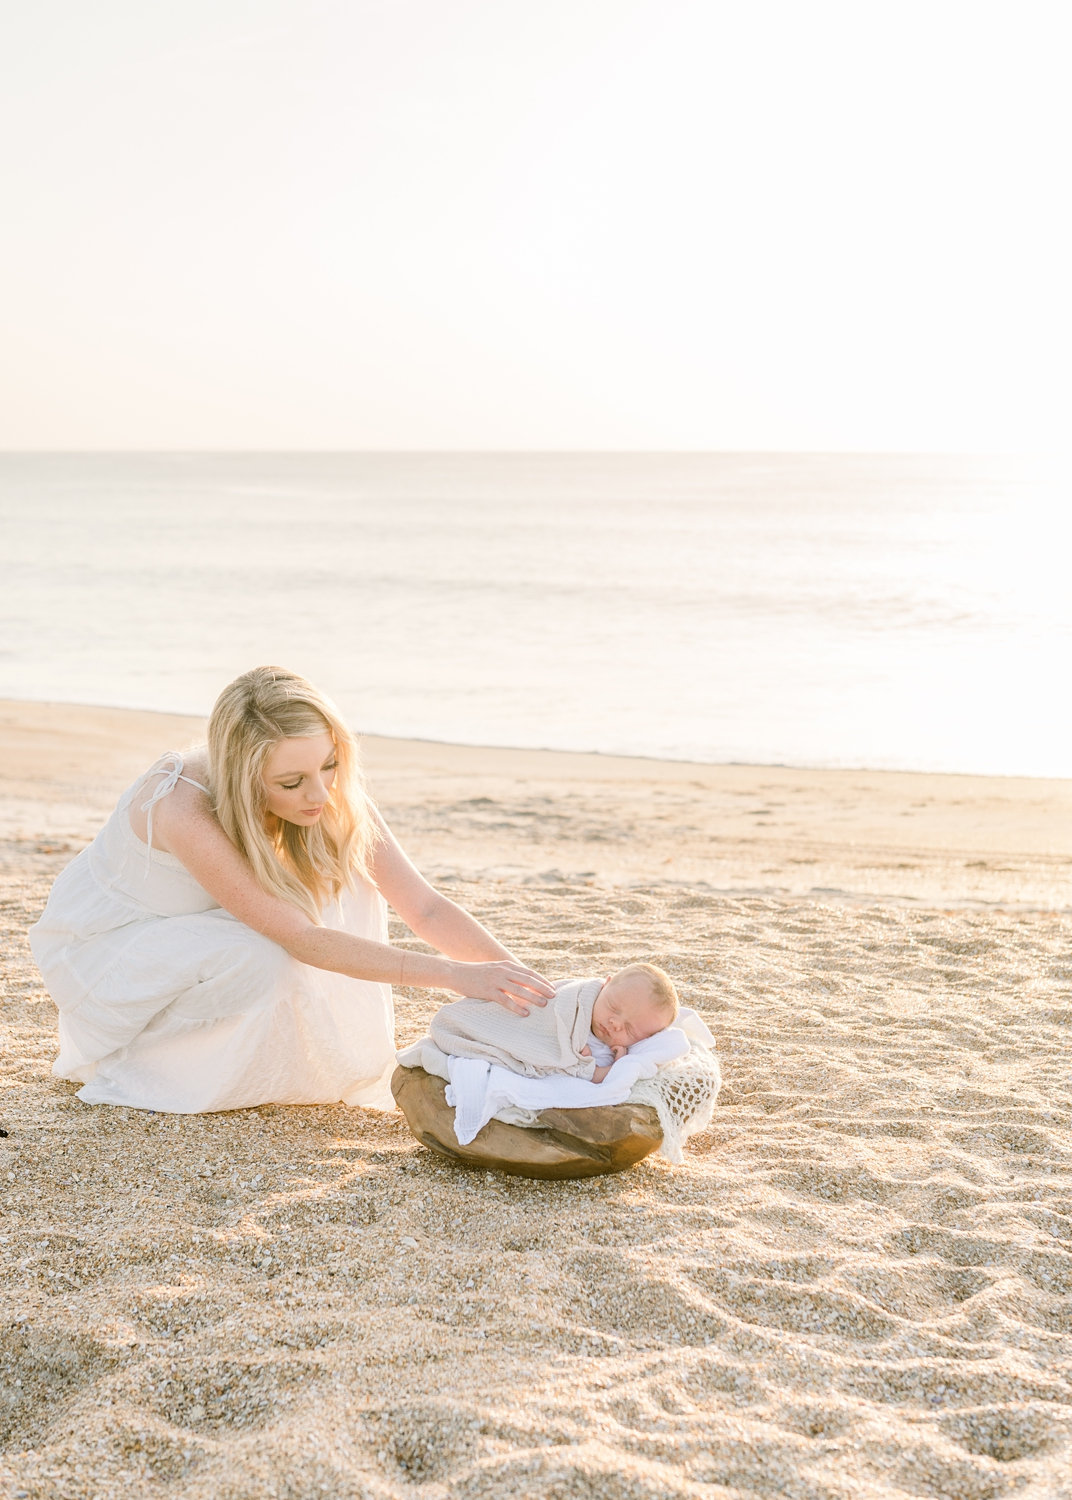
point(859, 1284)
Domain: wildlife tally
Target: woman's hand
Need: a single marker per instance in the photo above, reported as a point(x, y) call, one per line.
point(510, 985)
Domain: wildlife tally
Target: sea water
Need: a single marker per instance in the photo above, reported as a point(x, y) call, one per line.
point(881, 611)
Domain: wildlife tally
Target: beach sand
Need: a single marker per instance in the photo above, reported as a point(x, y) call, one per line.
point(858, 1284)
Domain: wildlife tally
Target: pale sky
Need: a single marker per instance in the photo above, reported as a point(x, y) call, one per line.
point(635, 224)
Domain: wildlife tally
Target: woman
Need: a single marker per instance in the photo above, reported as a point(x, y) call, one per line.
point(223, 941)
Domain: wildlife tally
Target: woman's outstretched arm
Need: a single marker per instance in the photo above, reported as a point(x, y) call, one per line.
point(433, 917)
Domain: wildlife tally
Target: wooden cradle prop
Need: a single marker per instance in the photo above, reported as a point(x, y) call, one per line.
point(567, 1143)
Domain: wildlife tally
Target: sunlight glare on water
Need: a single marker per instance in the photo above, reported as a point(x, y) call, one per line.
point(907, 612)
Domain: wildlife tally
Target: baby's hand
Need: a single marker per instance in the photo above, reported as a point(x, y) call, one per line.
point(586, 1051)
point(619, 1052)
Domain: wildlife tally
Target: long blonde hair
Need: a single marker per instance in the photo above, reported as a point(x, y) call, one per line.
point(307, 866)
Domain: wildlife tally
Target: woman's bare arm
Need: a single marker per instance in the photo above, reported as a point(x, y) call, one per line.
point(443, 924)
point(429, 914)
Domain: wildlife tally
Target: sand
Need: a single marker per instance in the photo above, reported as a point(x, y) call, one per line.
point(858, 1284)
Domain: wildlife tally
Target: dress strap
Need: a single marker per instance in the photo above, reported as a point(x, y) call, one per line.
point(169, 766)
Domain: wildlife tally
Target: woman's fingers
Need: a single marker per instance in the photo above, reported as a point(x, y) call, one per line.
point(536, 988)
point(510, 985)
point(518, 997)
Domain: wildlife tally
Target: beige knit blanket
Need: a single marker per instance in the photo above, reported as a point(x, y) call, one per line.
point(548, 1040)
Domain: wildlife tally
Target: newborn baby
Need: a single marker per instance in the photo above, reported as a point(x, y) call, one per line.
point(582, 1031)
point(634, 1004)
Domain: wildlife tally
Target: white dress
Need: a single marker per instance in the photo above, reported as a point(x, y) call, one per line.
point(167, 1002)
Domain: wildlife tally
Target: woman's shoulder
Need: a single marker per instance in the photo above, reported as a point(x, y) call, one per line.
point(175, 766)
point(195, 765)
point(174, 789)
point(181, 760)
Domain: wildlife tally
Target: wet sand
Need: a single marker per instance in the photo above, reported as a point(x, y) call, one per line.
point(858, 1284)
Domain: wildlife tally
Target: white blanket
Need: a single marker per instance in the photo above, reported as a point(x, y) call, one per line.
point(478, 1090)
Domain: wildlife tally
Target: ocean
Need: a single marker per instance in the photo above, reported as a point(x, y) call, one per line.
point(813, 610)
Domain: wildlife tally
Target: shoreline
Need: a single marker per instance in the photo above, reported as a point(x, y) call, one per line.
point(653, 760)
point(543, 816)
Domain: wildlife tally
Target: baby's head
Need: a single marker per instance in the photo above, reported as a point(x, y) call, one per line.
point(635, 1003)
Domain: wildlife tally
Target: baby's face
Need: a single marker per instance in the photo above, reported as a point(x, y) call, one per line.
point(625, 1011)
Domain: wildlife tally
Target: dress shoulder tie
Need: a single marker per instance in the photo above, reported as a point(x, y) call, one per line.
point(170, 768)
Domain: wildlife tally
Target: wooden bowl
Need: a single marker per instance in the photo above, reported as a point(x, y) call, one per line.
point(567, 1143)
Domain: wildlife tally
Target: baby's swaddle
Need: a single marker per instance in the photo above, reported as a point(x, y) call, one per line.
point(549, 1039)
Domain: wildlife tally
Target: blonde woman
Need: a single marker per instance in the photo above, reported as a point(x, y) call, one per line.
point(223, 941)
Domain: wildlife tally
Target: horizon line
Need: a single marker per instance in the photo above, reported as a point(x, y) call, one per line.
point(434, 452)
